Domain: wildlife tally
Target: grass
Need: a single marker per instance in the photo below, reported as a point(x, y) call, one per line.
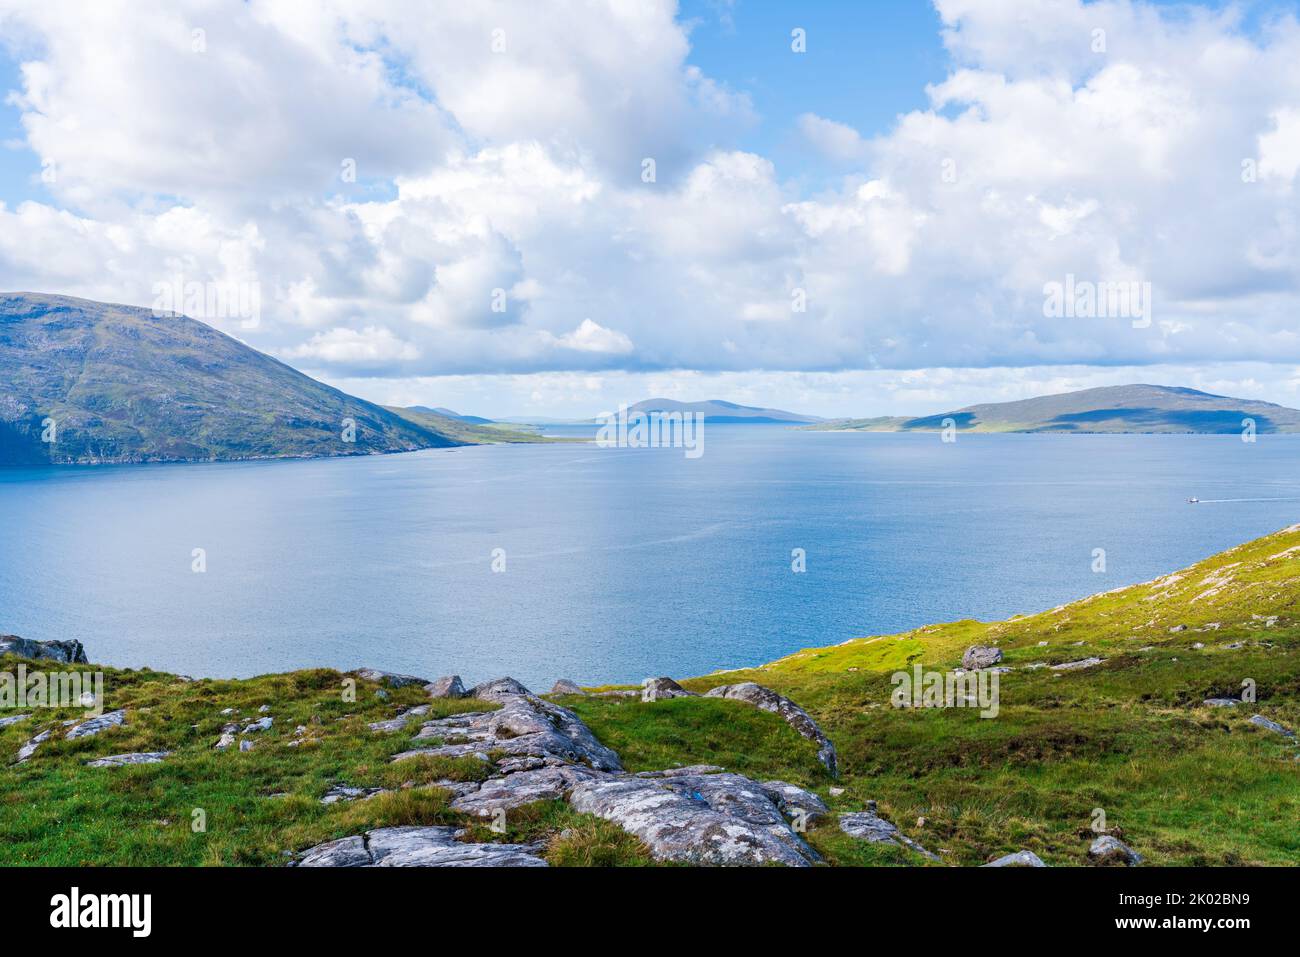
point(1182, 783)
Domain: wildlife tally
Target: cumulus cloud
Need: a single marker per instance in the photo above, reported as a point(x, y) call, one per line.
point(499, 201)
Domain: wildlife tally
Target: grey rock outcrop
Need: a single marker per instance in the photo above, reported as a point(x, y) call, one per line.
point(13, 719)
point(28, 749)
point(980, 656)
point(498, 689)
point(69, 652)
point(1221, 702)
point(1111, 850)
point(448, 686)
point(341, 792)
point(796, 803)
point(1018, 859)
point(653, 689)
point(402, 720)
point(261, 724)
point(136, 757)
point(565, 686)
point(552, 783)
point(417, 847)
point(869, 826)
point(388, 678)
point(720, 819)
point(1259, 721)
point(766, 699)
point(93, 726)
point(524, 727)
point(1077, 665)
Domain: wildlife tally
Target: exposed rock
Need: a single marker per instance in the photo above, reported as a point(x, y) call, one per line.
point(1111, 850)
point(69, 652)
point(766, 699)
point(1018, 859)
point(261, 724)
point(869, 826)
point(227, 711)
point(1077, 665)
point(520, 788)
point(448, 686)
point(264, 709)
point(616, 693)
point(245, 745)
point(13, 719)
point(702, 819)
point(28, 749)
point(389, 678)
point(137, 757)
point(498, 689)
point(1259, 721)
point(565, 686)
point(980, 656)
point(796, 803)
point(525, 726)
point(678, 772)
point(1221, 702)
point(652, 689)
point(226, 740)
point(341, 792)
point(93, 726)
point(393, 724)
point(417, 847)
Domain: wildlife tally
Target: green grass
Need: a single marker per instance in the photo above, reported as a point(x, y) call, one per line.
point(1182, 783)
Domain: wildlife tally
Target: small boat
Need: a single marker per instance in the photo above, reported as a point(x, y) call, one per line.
point(1193, 501)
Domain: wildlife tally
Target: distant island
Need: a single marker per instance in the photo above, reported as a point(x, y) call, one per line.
point(85, 382)
point(1145, 409)
point(721, 412)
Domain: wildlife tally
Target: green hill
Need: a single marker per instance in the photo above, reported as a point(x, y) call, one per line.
point(123, 385)
point(1112, 409)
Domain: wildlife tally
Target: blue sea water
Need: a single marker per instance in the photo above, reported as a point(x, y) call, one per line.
point(619, 563)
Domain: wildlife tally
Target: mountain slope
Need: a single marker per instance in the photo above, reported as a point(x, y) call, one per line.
point(718, 411)
point(450, 414)
point(122, 385)
point(1111, 409)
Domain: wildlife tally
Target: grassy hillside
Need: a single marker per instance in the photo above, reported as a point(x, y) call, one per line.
point(468, 432)
point(1182, 782)
point(1113, 409)
point(123, 385)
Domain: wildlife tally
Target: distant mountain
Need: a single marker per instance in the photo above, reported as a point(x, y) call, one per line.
point(1124, 408)
point(718, 411)
point(120, 384)
point(449, 414)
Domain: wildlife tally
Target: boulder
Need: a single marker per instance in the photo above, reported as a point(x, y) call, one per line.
point(448, 686)
point(547, 783)
point(225, 741)
point(1221, 702)
point(565, 686)
point(652, 689)
point(498, 689)
point(69, 652)
point(716, 819)
point(1259, 721)
point(524, 727)
point(261, 724)
point(1111, 850)
point(796, 803)
point(766, 699)
point(869, 826)
point(93, 726)
point(13, 719)
point(417, 847)
point(1018, 859)
point(136, 757)
point(389, 678)
point(980, 656)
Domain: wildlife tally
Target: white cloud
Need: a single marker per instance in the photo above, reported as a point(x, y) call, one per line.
point(500, 204)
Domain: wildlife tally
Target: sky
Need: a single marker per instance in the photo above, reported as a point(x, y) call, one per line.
point(511, 208)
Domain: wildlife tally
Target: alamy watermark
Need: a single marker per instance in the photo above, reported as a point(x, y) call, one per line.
point(52, 689)
point(951, 689)
point(652, 430)
point(1084, 299)
point(230, 299)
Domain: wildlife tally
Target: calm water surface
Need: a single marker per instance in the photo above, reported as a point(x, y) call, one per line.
point(619, 563)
